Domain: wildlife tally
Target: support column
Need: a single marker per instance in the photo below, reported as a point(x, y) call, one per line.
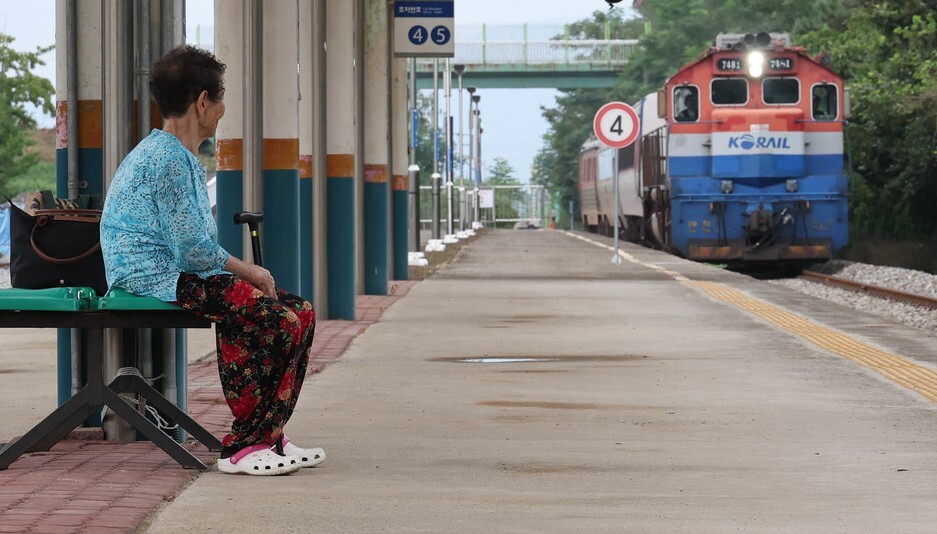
point(229, 138)
point(341, 161)
point(89, 117)
point(358, 31)
point(376, 149)
point(281, 143)
point(320, 272)
point(79, 141)
point(401, 194)
point(306, 118)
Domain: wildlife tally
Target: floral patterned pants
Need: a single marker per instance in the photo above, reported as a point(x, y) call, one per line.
point(263, 349)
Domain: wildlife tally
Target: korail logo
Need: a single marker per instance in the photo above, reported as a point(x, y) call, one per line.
point(749, 142)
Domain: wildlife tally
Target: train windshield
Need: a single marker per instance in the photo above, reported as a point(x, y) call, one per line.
point(781, 90)
point(686, 103)
point(730, 91)
point(824, 102)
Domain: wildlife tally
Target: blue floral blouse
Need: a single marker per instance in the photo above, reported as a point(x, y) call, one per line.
point(157, 220)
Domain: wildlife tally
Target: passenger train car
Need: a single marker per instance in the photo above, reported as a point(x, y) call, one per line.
point(739, 159)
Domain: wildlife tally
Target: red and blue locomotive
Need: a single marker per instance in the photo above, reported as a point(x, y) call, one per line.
point(740, 159)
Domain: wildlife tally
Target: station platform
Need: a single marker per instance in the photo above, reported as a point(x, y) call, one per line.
point(534, 386)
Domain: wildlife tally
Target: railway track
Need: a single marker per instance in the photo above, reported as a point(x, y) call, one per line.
point(876, 291)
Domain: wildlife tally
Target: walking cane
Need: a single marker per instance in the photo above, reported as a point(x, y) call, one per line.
point(253, 221)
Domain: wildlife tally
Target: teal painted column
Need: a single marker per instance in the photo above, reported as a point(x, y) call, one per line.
point(229, 194)
point(280, 230)
point(340, 205)
point(401, 207)
point(375, 230)
point(344, 157)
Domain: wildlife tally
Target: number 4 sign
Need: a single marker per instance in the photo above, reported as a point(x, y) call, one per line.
point(616, 124)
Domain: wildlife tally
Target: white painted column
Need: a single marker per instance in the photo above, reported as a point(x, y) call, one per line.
point(376, 216)
point(281, 142)
point(343, 157)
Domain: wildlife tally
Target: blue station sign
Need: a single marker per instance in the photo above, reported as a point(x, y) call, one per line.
point(424, 28)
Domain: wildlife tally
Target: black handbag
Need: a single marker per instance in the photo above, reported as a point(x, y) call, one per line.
point(56, 248)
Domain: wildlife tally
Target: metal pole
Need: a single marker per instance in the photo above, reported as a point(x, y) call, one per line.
point(459, 69)
point(143, 70)
point(320, 292)
point(117, 63)
point(478, 157)
point(358, 41)
point(447, 80)
point(436, 148)
point(616, 259)
point(118, 85)
point(253, 23)
point(413, 171)
point(471, 160)
point(71, 114)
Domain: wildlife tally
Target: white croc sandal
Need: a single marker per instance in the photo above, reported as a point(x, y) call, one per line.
point(307, 457)
point(258, 460)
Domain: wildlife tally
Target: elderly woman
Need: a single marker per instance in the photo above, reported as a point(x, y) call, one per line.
point(159, 239)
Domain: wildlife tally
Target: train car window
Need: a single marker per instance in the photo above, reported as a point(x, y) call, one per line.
point(824, 102)
point(626, 157)
point(781, 90)
point(729, 91)
point(686, 103)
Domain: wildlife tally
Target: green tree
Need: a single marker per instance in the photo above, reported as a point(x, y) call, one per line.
point(888, 54)
point(19, 87)
point(509, 202)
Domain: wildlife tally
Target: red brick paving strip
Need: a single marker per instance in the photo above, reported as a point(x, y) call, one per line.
point(97, 486)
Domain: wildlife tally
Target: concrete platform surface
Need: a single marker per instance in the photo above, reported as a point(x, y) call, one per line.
point(640, 404)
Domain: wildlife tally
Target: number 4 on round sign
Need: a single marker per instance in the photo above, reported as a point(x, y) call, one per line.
point(616, 124)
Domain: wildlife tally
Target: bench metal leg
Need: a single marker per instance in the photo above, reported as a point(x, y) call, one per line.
point(53, 428)
point(151, 431)
point(96, 394)
point(135, 384)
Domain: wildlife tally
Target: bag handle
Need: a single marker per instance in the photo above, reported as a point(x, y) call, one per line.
point(43, 216)
point(72, 214)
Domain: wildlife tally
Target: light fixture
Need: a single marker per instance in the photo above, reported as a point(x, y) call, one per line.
point(756, 64)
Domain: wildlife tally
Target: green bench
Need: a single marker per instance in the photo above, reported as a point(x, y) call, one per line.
point(80, 307)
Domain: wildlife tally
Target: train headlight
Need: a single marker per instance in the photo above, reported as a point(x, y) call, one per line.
point(756, 64)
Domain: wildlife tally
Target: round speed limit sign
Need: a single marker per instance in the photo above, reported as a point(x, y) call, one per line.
point(616, 124)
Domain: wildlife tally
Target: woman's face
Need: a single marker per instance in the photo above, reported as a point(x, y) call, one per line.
point(210, 112)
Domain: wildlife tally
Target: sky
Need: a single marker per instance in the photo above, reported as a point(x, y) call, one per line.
point(512, 119)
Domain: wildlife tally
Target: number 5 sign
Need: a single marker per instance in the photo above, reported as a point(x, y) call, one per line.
point(616, 124)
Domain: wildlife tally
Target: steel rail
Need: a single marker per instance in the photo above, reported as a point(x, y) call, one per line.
point(877, 291)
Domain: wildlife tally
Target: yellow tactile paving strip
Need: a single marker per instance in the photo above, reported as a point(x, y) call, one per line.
point(896, 368)
point(891, 366)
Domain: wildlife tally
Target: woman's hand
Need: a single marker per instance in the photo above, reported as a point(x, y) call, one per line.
point(262, 278)
point(255, 274)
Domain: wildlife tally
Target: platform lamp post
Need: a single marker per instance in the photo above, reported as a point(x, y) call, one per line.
point(478, 154)
point(449, 152)
point(459, 70)
point(471, 158)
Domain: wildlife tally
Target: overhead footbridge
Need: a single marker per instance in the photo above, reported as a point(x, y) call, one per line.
point(533, 57)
